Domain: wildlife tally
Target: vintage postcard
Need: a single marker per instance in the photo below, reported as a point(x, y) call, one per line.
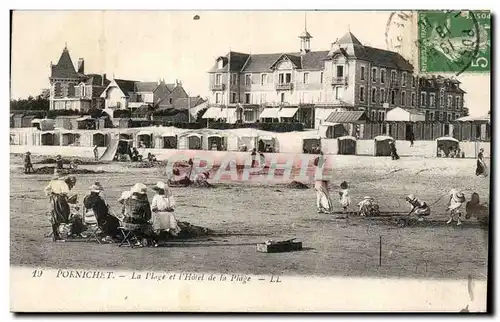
point(250, 161)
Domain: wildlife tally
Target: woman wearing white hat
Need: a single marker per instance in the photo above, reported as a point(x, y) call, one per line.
point(162, 206)
point(418, 207)
point(123, 200)
point(457, 199)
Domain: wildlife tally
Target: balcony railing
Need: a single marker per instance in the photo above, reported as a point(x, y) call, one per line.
point(218, 87)
point(284, 86)
point(339, 80)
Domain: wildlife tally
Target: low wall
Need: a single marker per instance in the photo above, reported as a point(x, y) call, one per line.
point(471, 149)
point(420, 148)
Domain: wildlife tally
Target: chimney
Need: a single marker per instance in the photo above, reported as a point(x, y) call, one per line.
point(81, 66)
point(103, 79)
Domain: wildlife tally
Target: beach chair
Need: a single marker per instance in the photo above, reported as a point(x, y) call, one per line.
point(129, 237)
point(94, 231)
point(92, 226)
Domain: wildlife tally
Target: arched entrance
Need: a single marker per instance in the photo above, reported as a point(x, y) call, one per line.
point(99, 139)
point(48, 139)
point(194, 142)
point(169, 142)
point(216, 143)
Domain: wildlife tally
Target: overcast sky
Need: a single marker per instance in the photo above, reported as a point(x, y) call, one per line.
point(147, 45)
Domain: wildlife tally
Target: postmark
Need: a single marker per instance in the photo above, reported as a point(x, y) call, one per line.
point(454, 41)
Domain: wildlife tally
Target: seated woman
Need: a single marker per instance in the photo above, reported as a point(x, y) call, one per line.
point(138, 215)
point(162, 206)
point(107, 223)
point(123, 201)
point(418, 207)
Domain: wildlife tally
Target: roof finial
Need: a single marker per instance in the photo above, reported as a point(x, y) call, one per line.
point(66, 45)
point(305, 21)
point(349, 27)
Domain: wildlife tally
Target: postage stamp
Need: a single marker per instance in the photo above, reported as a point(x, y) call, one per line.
point(333, 174)
point(454, 41)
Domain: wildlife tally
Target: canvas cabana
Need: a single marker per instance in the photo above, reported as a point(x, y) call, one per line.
point(311, 145)
point(446, 144)
point(264, 142)
point(70, 138)
point(194, 141)
point(48, 138)
point(99, 139)
point(146, 137)
point(382, 146)
point(216, 142)
point(347, 145)
point(36, 123)
point(169, 141)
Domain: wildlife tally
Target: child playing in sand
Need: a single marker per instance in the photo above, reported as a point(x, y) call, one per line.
point(345, 200)
point(418, 207)
point(456, 200)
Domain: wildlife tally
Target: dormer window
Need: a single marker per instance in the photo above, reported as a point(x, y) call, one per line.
point(220, 63)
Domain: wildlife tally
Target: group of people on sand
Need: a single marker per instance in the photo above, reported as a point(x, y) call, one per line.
point(453, 152)
point(148, 221)
point(419, 208)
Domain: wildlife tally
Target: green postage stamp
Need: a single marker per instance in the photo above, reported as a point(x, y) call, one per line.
point(454, 41)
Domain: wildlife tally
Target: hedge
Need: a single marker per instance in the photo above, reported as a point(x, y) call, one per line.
point(181, 125)
point(122, 114)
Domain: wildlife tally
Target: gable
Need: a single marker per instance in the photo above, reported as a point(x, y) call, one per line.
point(286, 62)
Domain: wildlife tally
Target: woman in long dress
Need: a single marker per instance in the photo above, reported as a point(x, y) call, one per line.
point(481, 168)
point(58, 191)
point(162, 207)
point(107, 223)
point(324, 203)
point(138, 214)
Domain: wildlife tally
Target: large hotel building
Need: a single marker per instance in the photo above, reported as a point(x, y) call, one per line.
point(307, 86)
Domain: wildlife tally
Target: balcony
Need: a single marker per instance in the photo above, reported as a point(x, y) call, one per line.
point(339, 80)
point(218, 87)
point(284, 86)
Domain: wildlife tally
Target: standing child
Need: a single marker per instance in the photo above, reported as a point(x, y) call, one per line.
point(457, 199)
point(345, 199)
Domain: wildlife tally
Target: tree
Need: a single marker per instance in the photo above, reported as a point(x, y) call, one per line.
point(40, 103)
point(199, 115)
